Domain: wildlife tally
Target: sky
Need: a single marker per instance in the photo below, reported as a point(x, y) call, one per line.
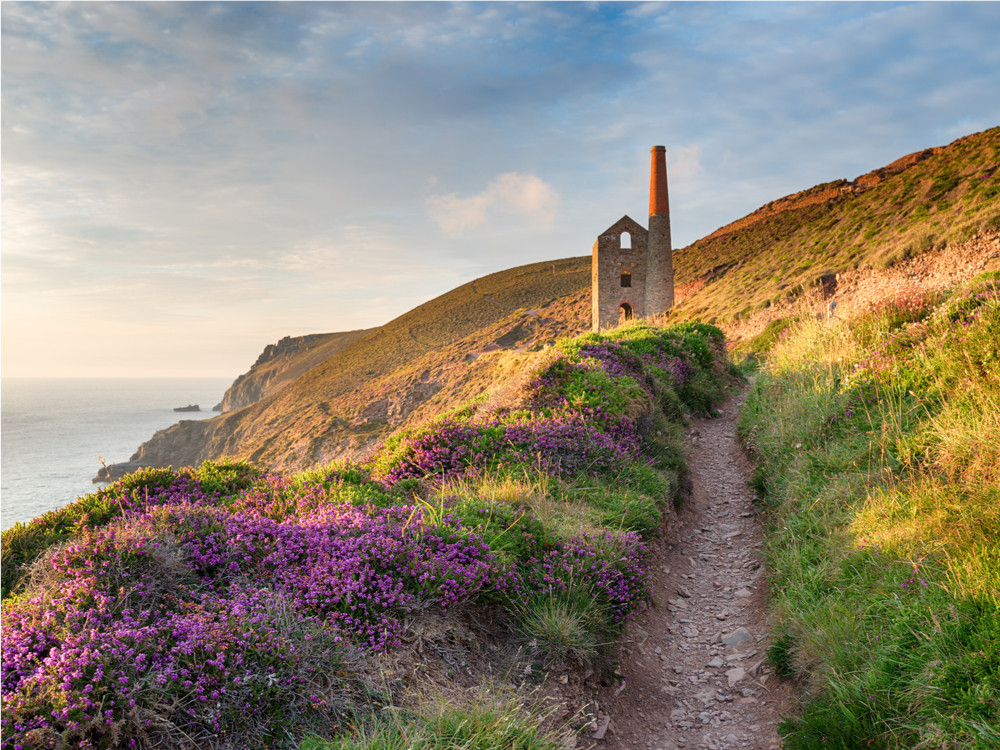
point(185, 183)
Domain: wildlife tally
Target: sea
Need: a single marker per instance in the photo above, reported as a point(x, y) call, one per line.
point(54, 432)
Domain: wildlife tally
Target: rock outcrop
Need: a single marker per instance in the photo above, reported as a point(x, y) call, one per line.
point(281, 363)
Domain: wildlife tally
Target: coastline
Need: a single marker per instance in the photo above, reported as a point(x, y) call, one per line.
point(56, 430)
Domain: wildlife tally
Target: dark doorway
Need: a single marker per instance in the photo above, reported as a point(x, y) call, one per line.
point(624, 312)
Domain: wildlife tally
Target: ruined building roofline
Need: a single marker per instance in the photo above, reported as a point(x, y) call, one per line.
point(625, 224)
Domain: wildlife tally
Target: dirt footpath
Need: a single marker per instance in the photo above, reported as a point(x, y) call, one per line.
point(693, 667)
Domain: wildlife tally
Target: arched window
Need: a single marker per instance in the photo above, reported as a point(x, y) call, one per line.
point(626, 278)
point(626, 241)
point(624, 312)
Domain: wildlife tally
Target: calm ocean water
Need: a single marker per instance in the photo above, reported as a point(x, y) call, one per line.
point(53, 430)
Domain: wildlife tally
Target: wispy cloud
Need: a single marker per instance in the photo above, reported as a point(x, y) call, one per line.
point(523, 196)
point(265, 166)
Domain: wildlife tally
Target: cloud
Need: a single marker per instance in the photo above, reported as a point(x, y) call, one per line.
point(265, 165)
point(523, 196)
point(684, 163)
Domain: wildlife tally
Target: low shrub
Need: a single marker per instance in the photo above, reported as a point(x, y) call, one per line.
point(485, 722)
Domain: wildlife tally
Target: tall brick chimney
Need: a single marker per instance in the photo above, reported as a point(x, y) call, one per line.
point(659, 202)
point(659, 255)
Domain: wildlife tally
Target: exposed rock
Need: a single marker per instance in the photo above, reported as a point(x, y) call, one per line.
point(112, 472)
point(735, 674)
point(602, 727)
point(179, 445)
point(281, 363)
point(189, 407)
point(738, 638)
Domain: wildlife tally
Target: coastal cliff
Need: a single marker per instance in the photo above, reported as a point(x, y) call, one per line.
point(281, 363)
point(433, 356)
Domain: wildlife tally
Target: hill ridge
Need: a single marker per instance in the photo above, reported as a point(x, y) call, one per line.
point(452, 347)
point(830, 190)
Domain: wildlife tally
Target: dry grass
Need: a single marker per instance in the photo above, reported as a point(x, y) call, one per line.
point(949, 197)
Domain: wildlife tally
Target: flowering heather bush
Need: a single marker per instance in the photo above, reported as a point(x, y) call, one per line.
point(676, 370)
point(155, 613)
point(608, 568)
point(561, 444)
point(147, 488)
point(447, 448)
point(588, 385)
point(618, 362)
point(234, 663)
point(689, 340)
point(218, 607)
point(566, 444)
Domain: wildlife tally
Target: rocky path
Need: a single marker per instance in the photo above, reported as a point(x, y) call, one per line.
point(693, 668)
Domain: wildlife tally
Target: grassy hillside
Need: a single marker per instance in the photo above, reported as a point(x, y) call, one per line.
point(877, 441)
point(343, 405)
point(447, 349)
point(224, 607)
point(283, 363)
point(941, 196)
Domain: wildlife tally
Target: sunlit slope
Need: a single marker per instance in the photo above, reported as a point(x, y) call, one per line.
point(920, 202)
point(448, 348)
point(284, 362)
point(328, 412)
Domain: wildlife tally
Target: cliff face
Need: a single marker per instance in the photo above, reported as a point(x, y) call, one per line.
point(281, 363)
point(436, 356)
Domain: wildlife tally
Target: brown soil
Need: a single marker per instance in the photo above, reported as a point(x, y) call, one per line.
point(680, 684)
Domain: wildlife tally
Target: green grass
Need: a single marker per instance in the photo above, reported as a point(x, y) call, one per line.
point(877, 462)
point(949, 197)
point(563, 628)
point(487, 721)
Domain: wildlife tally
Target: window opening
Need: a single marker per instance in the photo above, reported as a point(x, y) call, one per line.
point(626, 278)
point(626, 241)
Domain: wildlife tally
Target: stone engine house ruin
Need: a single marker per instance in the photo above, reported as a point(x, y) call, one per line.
point(632, 270)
